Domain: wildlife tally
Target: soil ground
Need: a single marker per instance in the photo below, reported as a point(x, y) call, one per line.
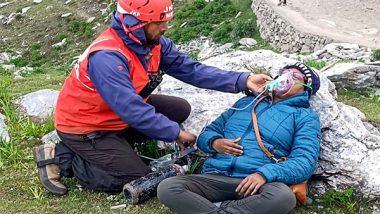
point(349, 21)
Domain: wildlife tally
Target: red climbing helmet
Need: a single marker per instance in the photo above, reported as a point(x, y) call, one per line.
point(147, 10)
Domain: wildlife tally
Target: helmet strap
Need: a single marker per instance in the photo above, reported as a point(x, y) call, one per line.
point(129, 31)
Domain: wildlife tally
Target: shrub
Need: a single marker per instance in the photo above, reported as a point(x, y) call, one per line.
point(376, 55)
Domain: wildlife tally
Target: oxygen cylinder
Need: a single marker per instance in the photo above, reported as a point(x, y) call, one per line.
point(144, 188)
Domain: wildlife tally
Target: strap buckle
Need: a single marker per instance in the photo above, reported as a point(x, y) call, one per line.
point(275, 159)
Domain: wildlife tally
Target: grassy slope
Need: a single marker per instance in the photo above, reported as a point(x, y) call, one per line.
point(20, 191)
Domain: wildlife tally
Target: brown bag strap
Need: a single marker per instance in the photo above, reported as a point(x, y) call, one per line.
point(258, 136)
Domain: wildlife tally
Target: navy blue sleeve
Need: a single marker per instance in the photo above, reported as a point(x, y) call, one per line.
point(184, 68)
point(109, 72)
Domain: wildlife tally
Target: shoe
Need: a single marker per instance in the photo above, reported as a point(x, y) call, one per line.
point(48, 170)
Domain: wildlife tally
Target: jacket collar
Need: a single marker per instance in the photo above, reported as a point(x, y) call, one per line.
point(130, 21)
point(298, 100)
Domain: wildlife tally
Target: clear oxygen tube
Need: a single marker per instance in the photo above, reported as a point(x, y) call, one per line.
point(280, 86)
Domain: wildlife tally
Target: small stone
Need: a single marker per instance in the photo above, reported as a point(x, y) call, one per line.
point(8, 67)
point(91, 19)
point(119, 207)
point(25, 9)
point(66, 15)
point(37, 1)
point(249, 42)
point(18, 77)
point(59, 44)
point(4, 4)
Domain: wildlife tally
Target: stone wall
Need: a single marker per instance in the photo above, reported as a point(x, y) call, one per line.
point(281, 34)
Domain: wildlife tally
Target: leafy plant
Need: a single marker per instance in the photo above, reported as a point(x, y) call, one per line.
point(376, 55)
point(343, 199)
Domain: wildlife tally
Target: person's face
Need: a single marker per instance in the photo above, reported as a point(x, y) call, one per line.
point(298, 77)
point(154, 31)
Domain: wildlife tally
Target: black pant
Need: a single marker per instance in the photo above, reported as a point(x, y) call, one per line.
point(198, 193)
point(105, 160)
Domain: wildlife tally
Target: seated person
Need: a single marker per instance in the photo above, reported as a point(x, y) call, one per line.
point(239, 174)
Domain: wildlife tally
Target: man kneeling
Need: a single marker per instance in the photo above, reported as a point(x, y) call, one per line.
point(239, 174)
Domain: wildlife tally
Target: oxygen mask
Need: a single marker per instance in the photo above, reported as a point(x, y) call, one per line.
point(281, 84)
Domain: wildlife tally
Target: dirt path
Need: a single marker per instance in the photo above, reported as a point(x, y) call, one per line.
point(352, 21)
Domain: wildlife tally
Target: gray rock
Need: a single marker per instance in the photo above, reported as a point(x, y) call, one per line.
point(349, 150)
point(59, 44)
point(39, 105)
point(4, 57)
point(66, 15)
point(4, 135)
point(23, 71)
point(90, 20)
point(8, 67)
point(25, 9)
point(4, 4)
point(305, 49)
point(249, 42)
point(353, 75)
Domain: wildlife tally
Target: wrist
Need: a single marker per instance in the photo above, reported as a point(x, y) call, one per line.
point(213, 143)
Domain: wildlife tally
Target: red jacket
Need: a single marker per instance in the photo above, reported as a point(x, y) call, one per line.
point(80, 109)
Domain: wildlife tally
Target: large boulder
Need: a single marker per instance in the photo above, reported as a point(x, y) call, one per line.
point(39, 105)
point(354, 75)
point(350, 148)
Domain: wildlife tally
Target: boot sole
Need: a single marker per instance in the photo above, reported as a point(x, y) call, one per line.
point(37, 154)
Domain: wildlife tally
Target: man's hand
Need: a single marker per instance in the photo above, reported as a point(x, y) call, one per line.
point(227, 146)
point(250, 185)
point(185, 137)
point(257, 82)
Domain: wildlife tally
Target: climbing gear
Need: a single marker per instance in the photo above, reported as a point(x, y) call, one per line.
point(300, 189)
point(144, 188)
point(48, 170)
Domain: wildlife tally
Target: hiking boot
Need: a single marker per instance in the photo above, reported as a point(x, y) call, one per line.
point(48, 170)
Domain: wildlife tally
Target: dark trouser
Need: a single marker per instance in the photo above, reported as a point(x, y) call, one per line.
point(105, 160)
point(197, 193)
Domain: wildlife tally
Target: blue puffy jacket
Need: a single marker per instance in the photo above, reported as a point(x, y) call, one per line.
point(118, 92)
point(288, 128)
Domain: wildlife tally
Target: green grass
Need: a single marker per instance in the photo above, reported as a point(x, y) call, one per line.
point(317, 64)
point(215, 19)
point(365, 100)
